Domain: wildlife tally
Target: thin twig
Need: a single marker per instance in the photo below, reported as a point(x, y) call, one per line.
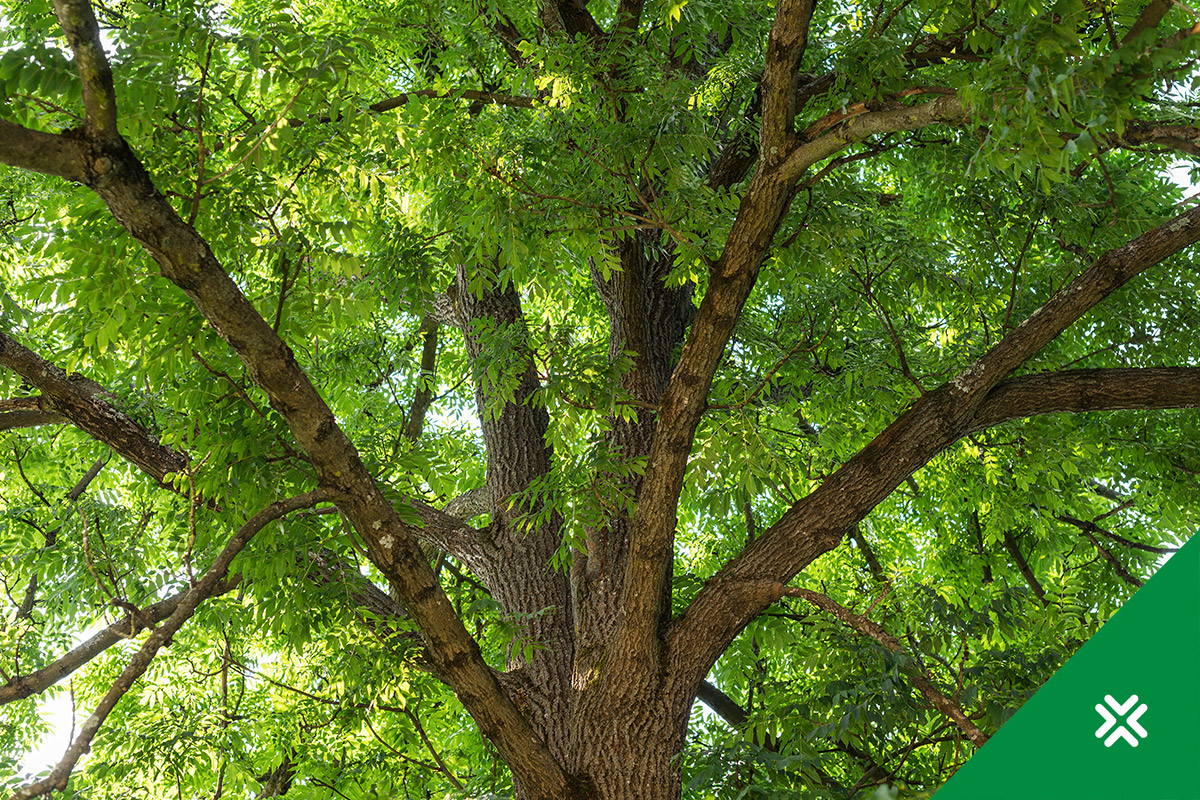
point(920, 677)
point(279, 121)
point(432, 750)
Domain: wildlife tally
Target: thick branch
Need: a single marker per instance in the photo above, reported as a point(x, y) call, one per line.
point(868, 553)
point(47, 153)
point(1080, 390)
point(29, 419)
point(471, 503)
point(186, 259)
point(629, 15)
point(99, 99)
point(31, 403)
point(183, 256)
point(731, 278)
point(920, 677)
point(725, 706)
point(733, 162)
point(1185, 138)
point(785, 49)
point(76, 401)
point(945, 109)
point(515, 437)
point(517, 453)
point(510, 39)
point(817, 523)
point(575, 19)
point(454, 536)
point(383, 614)
point(1151, 15)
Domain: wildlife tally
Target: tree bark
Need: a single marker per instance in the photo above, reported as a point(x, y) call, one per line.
point(518, 571)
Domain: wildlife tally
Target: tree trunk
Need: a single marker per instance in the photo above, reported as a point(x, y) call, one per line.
point(627, 743)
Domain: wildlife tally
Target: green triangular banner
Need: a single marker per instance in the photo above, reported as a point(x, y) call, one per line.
point(1142, 669)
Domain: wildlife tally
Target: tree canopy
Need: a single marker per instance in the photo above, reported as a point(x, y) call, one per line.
point(403, 399)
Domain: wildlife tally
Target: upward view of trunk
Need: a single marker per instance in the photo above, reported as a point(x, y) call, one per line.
point(607, 648)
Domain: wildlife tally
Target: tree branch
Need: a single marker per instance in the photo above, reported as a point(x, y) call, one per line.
point(920, 677)
point(426, 381)
point(731, 278)
point(1092, 527)
point(725, 706)
point(47, 153)
point(574, 17)
point(471, 503)
point(1185, 138)
point(331, 571)
point(328, 571)
point(22, 686)
point(205, 588)
point(1089, 531)
point(515, 438)
point(864, 546)
point(629, 16)
point(99, 98)
point(76, 401)
point(450, 533)
point(944, 109)
point(1013, 548)
point(1151, 15)
point(1081, 390)
point(30, 418)
point(25, 611)
point(474, 95)
point(432, 750)
point(817, 523)
point(785, 49)
point(510, 39)
point(517, 452)
point(186, 259)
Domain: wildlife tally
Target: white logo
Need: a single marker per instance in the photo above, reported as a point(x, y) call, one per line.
point(1131, 722)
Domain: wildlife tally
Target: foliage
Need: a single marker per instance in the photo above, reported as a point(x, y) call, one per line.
point(345, 225)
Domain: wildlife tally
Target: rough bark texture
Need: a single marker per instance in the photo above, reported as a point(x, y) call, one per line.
point(519, 573)
point(76, 400)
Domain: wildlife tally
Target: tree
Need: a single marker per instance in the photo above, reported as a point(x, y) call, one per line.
point(460, 391)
